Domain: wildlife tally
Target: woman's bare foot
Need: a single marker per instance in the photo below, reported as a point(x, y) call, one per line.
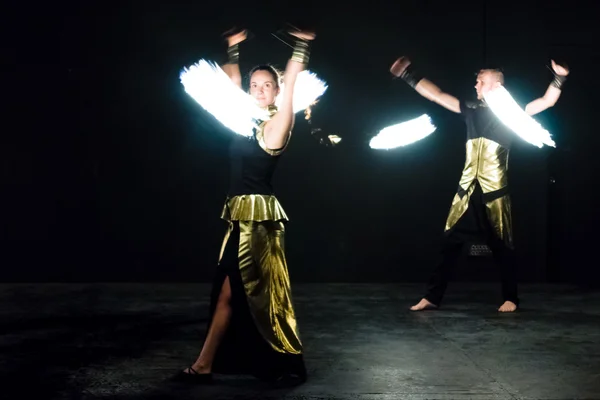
point(191, 375)
point(197, 369)
point(508, 306)
point(424, 304)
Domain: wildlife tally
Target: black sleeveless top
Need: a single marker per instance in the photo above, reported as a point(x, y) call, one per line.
point(482, 123)
point(251, 167)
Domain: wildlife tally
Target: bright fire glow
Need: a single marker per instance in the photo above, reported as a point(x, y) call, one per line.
point(210, 86)
point(403, 133)
point(508, 111)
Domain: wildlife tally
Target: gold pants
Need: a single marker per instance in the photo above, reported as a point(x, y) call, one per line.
point(264, 274)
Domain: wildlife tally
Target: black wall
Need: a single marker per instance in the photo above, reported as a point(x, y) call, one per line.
point(111, 172)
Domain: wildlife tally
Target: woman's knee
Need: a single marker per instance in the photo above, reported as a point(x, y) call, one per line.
point(225, 295)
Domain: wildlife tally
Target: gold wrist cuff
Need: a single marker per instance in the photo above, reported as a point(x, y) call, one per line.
point(233, 54)
point(301, 52)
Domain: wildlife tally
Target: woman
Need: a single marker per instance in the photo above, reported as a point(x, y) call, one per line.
point(252, 324)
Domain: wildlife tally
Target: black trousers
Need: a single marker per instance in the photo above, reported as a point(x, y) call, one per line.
point(473, 226)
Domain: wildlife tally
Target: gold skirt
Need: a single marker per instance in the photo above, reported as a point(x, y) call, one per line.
point(263, 268)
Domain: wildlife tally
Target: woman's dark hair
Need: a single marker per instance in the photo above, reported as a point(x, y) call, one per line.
point(277, 76)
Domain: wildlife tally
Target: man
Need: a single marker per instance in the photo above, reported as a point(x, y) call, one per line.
point(481, 206)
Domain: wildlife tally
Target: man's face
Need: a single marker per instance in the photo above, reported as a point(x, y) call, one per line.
point(486, 81)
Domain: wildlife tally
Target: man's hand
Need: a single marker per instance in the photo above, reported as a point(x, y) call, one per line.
point(559, 69)
point(553, 92)
point(400, 66)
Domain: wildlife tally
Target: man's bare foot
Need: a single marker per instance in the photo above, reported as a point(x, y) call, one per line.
point(424, 304)
point(508, 306)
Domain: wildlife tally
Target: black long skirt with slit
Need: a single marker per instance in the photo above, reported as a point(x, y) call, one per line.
point(243, 350)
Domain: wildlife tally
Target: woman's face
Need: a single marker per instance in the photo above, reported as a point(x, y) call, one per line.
point(263, 88)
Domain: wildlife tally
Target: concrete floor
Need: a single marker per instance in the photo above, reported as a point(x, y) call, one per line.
point(124, 341)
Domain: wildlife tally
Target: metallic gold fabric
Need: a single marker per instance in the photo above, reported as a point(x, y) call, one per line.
point(263, 268)
point(261, 141)
point(492, 165)
point(253, 207)
point(264, 272)
point(459, 207)
point(487, 163)
point(233, 54)
point(301, 51)
point(260, 135)
point(500, 216)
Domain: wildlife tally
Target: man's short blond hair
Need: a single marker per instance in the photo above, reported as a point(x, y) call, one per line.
point(499, 75)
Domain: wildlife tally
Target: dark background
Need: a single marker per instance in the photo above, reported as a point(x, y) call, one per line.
point(112, 173)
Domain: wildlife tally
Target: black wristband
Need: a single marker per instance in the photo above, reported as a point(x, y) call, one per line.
point(233, 54)
point(558, 81)
point(411, 77)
